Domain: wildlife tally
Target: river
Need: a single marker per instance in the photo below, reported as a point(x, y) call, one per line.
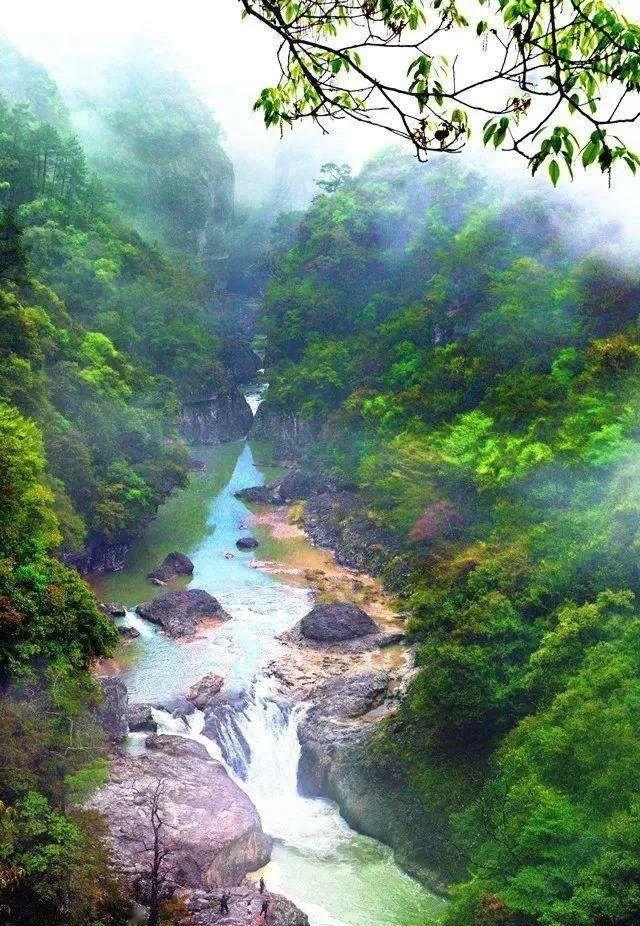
point(338, 877)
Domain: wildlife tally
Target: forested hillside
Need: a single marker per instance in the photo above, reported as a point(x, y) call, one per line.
point(101, 334)
point(471, 366)
point(157, 146)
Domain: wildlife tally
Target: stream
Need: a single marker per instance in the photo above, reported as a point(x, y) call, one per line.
point(338, 877)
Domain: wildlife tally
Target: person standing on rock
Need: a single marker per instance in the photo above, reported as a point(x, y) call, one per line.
point(224, 903)
point(265, 908)
point(261, 884)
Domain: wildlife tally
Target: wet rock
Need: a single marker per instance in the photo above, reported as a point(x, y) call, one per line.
point(213, 829)
point(247, 543)
point(339, 760)
point(172, 566)
point(141, 717)
point(156, 581)
point(113, 610)
point(128, 633)
point(294, 486)
point(113, 712)
point(179, 612)
point(222, 726)
point(216, 419)
point(329, 623)
point(203, 692)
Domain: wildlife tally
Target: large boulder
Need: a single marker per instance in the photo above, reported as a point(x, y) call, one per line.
point(212, 830)
point(202, 693)
point(246, 543)
point(294, 486)
point(179, 612)
point(331, 623)
point(113, 713)
point(172, 566)
point(179, 747)
point(141, 717)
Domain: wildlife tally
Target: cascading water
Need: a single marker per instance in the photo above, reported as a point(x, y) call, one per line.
point(338, 877)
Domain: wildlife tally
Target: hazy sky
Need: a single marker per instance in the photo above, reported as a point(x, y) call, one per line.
point(228, 60)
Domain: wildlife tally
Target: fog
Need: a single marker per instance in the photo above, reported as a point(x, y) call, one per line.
point(228, 60)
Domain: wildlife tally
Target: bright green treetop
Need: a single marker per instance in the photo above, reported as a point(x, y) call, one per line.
point(555, 81)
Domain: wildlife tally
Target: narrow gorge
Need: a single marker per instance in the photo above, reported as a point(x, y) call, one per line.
point(283, 703)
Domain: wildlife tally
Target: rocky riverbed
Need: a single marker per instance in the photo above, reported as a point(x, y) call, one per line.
point(240, 713)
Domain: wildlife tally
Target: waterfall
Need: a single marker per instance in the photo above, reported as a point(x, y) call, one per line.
point(258, 743)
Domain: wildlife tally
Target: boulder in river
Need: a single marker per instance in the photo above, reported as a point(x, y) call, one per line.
point(179, 612)
point(113, 712)
point(212, 828)
point(294, 486)
point(128, 634)
point(247, 543)
point(172, 566)
point(112, 609)
point(141, 717)
point(330, 623)
point(202, 693)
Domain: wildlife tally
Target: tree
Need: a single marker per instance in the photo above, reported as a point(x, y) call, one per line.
point(155, 849)
point(553, 80)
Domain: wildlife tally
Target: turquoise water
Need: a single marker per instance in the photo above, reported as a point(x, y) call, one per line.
point(337, 876)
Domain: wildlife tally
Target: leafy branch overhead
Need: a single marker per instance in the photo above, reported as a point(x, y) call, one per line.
point(555, 81)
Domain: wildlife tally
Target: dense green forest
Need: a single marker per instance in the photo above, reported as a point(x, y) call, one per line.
point(469, 359)
point(471, 365)
point(101, 334)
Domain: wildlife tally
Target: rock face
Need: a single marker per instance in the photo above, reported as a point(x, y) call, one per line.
point(203, 692)
point(247, 543)
point(141, 717)
point(242, 362)
point(172, 566)
point(113, 713)
point(291, 435)
point(179, 612)
point(337, 520)
point(216, 419)
point(326, 728)
point(339, 760)
point(330, 623)
point(212, 829)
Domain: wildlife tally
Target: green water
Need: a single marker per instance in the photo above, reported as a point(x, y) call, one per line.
point(337, 876)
